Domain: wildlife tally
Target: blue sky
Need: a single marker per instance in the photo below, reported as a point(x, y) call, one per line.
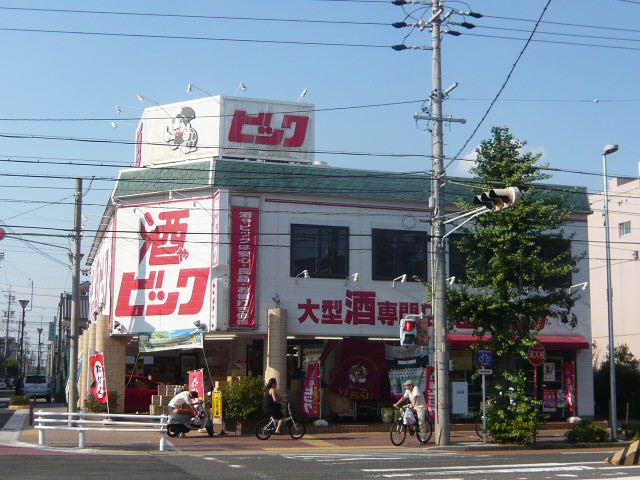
point(54, 84)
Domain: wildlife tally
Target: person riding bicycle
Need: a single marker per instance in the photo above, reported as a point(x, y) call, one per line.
point(416, 399)
point(271, 404)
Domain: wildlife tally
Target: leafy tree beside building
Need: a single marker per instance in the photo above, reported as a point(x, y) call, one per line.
point(518, 261)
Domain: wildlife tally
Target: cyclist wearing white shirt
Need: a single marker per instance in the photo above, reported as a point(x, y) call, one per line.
point(415, 397)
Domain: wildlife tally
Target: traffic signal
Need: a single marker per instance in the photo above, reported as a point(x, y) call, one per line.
point(499, 198)
point(408, 331)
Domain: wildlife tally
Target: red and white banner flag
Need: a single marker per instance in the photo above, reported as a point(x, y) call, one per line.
point(311, 392)
point(569, 380)
point(196, 382)
point(245, 224)
point(430, 392)
point(99, 386)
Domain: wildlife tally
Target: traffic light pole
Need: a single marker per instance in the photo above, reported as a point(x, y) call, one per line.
point(441, 430)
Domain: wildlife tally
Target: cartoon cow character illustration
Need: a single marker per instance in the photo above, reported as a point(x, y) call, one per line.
point(181, 134)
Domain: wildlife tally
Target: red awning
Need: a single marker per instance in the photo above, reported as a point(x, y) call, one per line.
point(550, 342)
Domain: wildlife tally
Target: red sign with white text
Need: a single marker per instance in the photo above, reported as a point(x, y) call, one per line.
point(162, 262)
point(245, 223)
point(196, 382)
point(99, 385)
point(537, 355)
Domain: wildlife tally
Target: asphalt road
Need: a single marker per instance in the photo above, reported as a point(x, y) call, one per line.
point(312, 464)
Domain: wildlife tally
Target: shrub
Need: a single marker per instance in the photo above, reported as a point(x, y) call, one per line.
point(586, 432)
point(513, 417)
point(93, 406)
point(19, 400)
point(242, 398)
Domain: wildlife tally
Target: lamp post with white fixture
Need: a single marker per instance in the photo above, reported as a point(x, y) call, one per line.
point(613, 414)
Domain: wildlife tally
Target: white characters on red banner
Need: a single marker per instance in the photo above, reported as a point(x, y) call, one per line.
point(99, 386)
point(244, 261)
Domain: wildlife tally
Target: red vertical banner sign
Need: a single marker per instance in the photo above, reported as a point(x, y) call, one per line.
point(569, 381)
point(311, 392)
point(430, 392)
point(245, 224)
point(196, 382)
point(99, 385)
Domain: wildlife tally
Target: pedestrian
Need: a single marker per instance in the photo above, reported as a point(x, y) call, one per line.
point(271, 404)
point(414, 396)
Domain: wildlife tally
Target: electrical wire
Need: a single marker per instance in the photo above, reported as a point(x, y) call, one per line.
point(504, 84)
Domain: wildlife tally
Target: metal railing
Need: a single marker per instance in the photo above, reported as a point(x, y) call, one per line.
point(83, 422)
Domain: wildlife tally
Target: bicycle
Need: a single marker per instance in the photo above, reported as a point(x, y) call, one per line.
point(480, 429)
point(267, 426)
point(400, 427)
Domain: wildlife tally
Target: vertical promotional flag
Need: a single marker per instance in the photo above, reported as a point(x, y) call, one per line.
point(99, 386)
point(196, 382)
point(569, 381)
point(431, 392)
point(244, 267)
point(311, 392)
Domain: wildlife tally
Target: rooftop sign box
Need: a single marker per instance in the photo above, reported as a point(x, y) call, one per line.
point(231, 127)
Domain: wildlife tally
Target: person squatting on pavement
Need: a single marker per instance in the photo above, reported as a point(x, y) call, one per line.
point(182, 408)
point(415, 397)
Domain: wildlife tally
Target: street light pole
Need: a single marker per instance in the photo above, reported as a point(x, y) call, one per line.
point(39, 347)
point(613, 414)
point(23, 304)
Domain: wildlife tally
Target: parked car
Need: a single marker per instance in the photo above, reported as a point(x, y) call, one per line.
point(10, 383)
point(37, 386)
point(138, 392)
point(3, 384)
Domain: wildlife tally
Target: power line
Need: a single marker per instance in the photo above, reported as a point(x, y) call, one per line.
point(185, 16)
point(504, 84)
point(188, 37)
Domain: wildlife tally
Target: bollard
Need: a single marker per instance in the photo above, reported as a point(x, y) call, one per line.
point(31, 405)
point(81, 439)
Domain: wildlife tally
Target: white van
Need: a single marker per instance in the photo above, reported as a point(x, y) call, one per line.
point(37, 386)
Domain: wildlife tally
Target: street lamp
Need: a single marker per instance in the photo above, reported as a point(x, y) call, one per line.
point(39, 347)
point(613, 415)
point(23, 304)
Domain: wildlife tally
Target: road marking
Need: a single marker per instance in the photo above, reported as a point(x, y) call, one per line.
point(236, 466)
point(524, 465)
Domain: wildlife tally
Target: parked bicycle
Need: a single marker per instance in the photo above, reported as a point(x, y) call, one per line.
point(408, 422)
point(480, 429)
point(267, 426)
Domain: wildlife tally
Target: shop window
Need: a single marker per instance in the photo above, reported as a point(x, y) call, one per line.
point(624, 228)
point(398, 252)
point(321, 250)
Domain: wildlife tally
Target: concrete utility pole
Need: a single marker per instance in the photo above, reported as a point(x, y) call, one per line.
point(75, 299)
point(441, 428)
point(6, 334)
point(39, 348)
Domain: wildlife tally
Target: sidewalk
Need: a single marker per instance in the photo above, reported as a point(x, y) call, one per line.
point(334, 437)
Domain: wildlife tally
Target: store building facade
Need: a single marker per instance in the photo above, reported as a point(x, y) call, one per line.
point(287, 267)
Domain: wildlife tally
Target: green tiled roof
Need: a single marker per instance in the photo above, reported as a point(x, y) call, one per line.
point(242, 175)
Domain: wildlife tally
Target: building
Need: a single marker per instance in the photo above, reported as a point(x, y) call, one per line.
point(231, 244)
point(624, 205)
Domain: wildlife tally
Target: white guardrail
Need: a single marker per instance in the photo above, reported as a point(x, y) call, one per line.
point(83, 422)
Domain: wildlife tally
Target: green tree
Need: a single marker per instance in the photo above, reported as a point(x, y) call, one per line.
point(627, 384)
point(514, 279)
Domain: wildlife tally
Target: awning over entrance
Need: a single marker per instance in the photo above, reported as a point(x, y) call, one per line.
point(550, 342)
